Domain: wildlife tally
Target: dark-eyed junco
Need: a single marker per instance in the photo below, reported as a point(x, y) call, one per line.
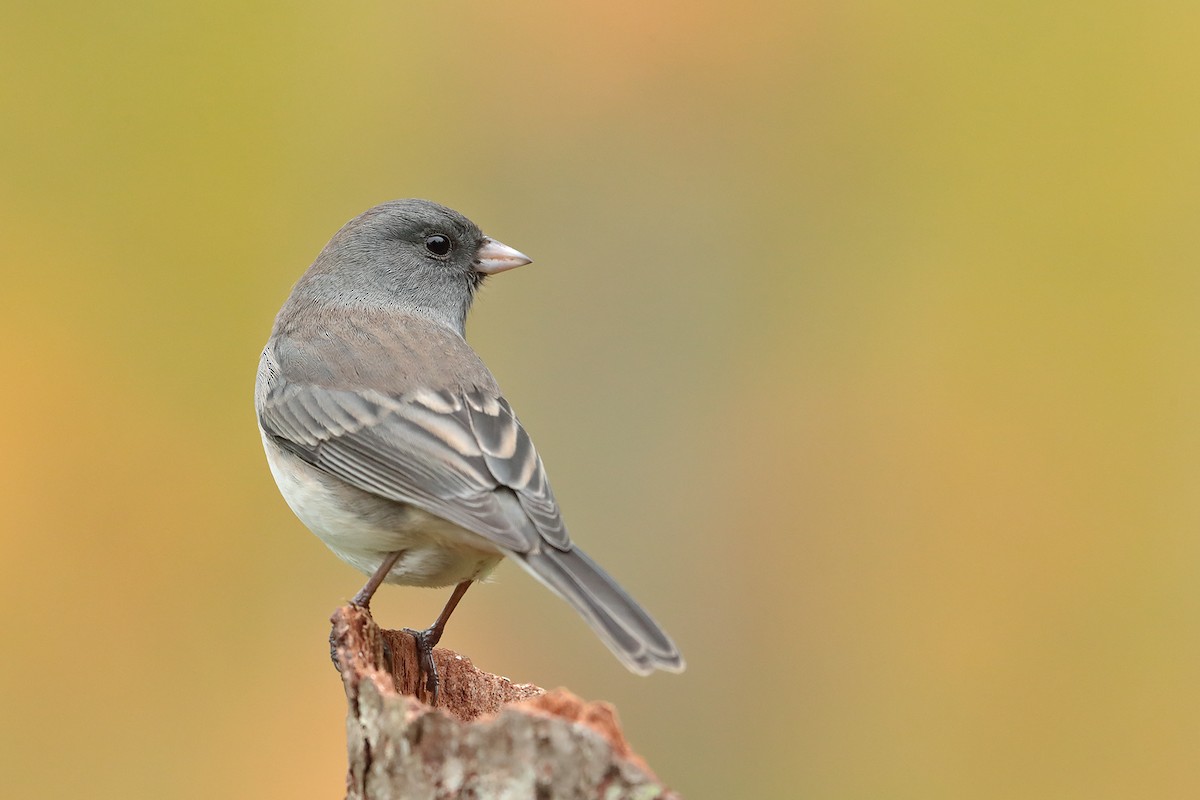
point(389, 438)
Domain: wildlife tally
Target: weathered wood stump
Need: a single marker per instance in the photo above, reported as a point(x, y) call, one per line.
point(487, 738)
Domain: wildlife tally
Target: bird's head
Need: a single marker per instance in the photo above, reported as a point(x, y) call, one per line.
point(415, 256)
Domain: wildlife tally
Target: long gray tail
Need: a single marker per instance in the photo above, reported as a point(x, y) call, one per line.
point(616, 617)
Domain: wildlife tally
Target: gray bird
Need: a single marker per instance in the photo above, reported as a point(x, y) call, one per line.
point(390, 440)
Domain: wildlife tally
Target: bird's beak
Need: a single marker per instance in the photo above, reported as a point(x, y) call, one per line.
point(493, 257)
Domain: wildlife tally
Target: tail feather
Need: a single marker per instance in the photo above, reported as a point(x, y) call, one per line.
point(624, 626)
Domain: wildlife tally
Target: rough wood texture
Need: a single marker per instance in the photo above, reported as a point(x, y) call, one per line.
point(488, 737)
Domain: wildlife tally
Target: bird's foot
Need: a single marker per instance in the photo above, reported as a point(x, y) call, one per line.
point(333, 651)
point(427, 672)
point(362, 600)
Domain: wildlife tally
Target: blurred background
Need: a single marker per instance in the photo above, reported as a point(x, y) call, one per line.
point(860, 343)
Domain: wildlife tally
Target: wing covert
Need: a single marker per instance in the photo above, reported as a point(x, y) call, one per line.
point(460, 456)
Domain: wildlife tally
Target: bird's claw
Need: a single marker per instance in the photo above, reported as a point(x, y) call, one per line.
point(426, 667)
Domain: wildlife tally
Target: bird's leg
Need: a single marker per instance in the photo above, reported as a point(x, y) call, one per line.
point(363, 598)
point(428, 639)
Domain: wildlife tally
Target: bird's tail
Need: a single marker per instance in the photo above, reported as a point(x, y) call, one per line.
point(624, 626)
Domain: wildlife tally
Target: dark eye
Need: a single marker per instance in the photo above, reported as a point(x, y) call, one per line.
point(437, 244)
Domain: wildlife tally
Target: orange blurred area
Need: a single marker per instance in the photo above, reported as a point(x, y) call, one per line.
point(860, 344)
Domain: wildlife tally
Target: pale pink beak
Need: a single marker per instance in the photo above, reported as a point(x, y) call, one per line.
point(493, 257)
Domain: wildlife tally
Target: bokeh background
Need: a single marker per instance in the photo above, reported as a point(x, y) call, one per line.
point(861, 344)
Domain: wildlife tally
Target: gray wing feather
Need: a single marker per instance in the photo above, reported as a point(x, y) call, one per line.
point(465, 457)
point(443, 452)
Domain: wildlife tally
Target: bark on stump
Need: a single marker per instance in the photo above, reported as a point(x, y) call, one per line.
point(488, 737)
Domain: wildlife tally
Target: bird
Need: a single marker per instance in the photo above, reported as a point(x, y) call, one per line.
point(390, 439)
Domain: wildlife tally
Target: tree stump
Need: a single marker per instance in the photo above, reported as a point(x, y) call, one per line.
point(487, 738)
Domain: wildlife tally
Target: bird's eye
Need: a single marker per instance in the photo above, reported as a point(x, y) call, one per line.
point(437, 244)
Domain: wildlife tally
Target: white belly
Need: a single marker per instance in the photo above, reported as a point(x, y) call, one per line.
point(362, 529)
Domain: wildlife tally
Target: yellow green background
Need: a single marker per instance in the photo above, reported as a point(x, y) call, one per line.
point(861, 344)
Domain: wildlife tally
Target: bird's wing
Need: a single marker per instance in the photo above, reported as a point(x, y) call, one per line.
point(460, 455)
